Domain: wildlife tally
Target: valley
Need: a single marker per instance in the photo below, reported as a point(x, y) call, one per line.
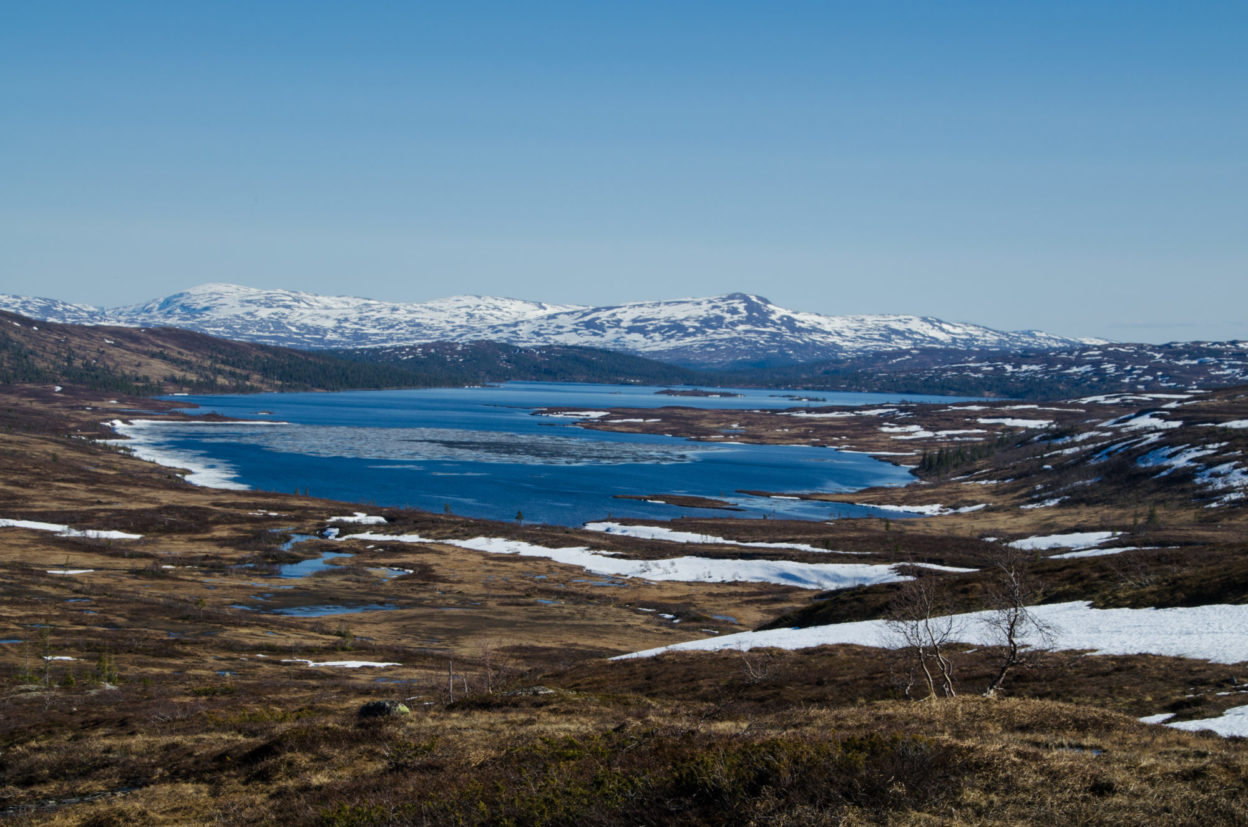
point(623, 414)
point(158, 667)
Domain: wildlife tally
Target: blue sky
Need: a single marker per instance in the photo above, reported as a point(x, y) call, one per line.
point(1079, 167)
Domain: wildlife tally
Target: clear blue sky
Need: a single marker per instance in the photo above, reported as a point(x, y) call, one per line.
point(1079, 167)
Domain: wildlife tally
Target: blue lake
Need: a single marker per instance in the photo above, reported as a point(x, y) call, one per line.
point(482, 453)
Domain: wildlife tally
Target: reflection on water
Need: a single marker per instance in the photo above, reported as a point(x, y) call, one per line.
point(304, 568)
point(325, 610)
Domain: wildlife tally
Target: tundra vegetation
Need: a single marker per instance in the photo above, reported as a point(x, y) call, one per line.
point(156, 668)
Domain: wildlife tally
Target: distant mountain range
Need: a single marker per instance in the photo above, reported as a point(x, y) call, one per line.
point(736, 330)
point(167, 359)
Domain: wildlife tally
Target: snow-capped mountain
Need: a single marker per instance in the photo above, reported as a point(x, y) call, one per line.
point(52, 310)
point(308, 320)
point(724, 330)
point(740, 328)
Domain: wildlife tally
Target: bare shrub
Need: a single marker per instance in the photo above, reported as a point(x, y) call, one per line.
point(1011, 624)
point(922, 625)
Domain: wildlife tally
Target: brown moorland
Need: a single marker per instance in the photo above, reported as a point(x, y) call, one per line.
point(163, 684)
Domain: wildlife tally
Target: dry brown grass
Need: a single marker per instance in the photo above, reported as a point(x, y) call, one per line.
point(208, 725)
point(585, 759)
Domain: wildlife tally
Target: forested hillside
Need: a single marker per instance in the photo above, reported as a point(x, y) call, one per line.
point(171, 360)
point(473, 363)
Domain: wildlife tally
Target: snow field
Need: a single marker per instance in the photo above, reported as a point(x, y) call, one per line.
point(66, 531)
point(926, 510)
point(650, 532)
point(1217, 633)
point(1233, 722)
point(360, 518)
point(1075, 540)
point(687, 569)
point(343, 664)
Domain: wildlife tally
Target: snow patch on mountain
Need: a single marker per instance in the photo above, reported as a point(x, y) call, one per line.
point(723, 330)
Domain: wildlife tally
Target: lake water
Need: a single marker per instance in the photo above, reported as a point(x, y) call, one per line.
point(482, 453)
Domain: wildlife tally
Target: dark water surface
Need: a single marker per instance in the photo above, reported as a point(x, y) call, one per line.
point(481, 453)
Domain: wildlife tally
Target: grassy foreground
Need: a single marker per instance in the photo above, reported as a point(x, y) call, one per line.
point(581, 758)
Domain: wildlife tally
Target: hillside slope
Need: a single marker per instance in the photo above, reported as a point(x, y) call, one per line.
point(483, 362)
point(168, 360)
point(1054, 373)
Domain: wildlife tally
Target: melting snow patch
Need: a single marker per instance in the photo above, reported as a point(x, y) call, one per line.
point(342, 664)
point(903, 429)
point(1123, 398)
point(680, 569)
point(814, 415)
point(927, 510)
point(70, 571)
point(1142, 422)
point(1232, 722)
point(650, 532)
point(1172, 458)
point(1015, 423)
point(1046, 503)
point(1229, 477)
point(1119, 447)
point(1077, 540)
point(1217, 633)
point(1100, 552)
point(359, 517)
point(66, 531)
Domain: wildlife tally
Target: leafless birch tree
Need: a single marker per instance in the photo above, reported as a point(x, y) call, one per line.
point(1012, 624)
point(924, 628)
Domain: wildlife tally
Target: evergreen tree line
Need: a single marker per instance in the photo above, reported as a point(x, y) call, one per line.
point(945, 459)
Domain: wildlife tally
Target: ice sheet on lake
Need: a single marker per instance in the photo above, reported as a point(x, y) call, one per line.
point(574, 414)
point(150, 440)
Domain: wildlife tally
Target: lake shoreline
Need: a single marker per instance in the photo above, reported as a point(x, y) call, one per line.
point(448, 450)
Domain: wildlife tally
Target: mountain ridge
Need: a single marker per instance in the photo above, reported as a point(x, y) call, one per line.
point(721, 331)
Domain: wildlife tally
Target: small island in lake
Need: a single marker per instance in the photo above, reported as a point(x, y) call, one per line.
point(698, 392)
